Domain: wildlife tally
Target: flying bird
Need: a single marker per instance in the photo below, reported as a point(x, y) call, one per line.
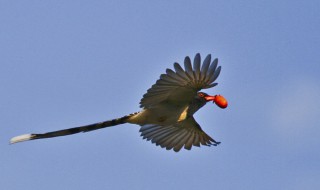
point(166, 118)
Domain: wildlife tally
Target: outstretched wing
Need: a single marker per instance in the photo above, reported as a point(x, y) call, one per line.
point(180, 86)
point(186, 133)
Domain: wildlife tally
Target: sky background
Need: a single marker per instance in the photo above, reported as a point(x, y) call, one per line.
point(69, 63)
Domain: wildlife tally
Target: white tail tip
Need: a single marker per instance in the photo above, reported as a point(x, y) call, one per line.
point(21, 138)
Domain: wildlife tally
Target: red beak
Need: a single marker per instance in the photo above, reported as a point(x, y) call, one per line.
point(219, 100)
point(210, 98)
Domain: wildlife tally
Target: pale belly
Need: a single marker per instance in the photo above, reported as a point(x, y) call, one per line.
point(162, 115)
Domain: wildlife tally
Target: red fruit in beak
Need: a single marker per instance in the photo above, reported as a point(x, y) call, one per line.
point(221, 101)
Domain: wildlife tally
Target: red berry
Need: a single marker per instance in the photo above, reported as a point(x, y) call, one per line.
point(221, 101)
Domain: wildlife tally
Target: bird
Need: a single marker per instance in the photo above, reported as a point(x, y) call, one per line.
point(167, 108)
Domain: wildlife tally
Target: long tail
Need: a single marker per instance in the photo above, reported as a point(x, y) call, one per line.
point(72, 131)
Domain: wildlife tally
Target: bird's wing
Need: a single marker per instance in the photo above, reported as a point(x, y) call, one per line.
point(186, 133)
point(180, 86)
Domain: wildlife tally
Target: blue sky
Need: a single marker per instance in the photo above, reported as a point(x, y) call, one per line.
point(69, 63)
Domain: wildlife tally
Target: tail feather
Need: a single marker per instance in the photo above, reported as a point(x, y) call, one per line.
point(71, 131)
point(21, 138)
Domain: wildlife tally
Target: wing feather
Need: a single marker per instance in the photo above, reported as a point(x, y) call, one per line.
point(165, 140)
point(196, 141)
point(211, 85)
point(175, 139)
point(190, 140)
point(173, 75)
point(182, 85)
point(178, 143)
point(158, 132)
point(169, 79)
point(169, 142)
point(202, 141)
point(196, 66)
point(162, 136)
point(180, 72)
point(215, 75)
point(205, 67)
point(211, 70)
point(188, 68)
point(186, 133)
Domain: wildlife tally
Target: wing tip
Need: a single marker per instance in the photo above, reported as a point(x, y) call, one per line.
point(21, 138)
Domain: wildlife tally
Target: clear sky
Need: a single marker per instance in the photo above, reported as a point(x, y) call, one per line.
point(69, 63)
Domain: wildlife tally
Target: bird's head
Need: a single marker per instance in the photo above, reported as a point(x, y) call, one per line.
point(218, 99)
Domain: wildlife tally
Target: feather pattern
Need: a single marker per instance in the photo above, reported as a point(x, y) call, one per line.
point(205, 67)
point(189, 141)
point(187, 81)
point(196, 66)
point(188, 68)
point(185, 133)
point(215, 75)
point(212, 68)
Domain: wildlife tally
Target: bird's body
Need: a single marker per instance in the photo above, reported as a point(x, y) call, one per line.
point(167, 111)
point(163, 114)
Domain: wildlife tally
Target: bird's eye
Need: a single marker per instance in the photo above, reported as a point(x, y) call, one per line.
point(201, 95)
